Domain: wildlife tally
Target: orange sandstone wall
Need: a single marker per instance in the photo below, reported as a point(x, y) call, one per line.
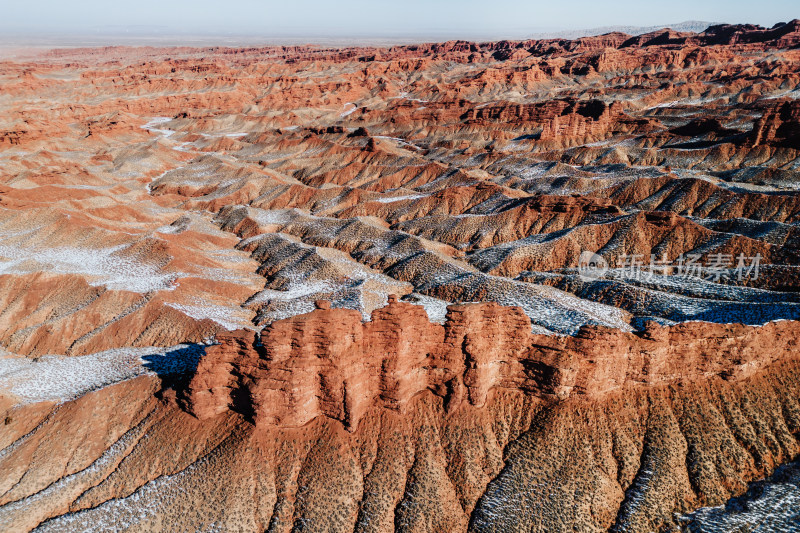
point(330, 363)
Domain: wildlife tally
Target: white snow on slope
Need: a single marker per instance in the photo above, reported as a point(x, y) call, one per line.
point(62, 378)
point(392, 199)
point(101, 266)
point(348, 111)
point(436, 308)
point(229, 317)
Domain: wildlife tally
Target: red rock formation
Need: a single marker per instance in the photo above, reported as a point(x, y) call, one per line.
point(166, 195)
point(325, 363)
point(328, 363)
point(779, 126)
point(599, 360)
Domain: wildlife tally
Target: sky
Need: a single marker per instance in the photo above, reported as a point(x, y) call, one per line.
point(372, 18)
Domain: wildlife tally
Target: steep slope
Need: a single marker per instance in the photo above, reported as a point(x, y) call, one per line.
point(476, 425)
point(542, 285)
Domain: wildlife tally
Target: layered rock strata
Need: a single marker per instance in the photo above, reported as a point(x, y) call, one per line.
point(330, 363)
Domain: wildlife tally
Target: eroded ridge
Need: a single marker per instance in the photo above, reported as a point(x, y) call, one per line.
point(166, 195)
point(153, 199)
point(603, 430)
point(330, 363)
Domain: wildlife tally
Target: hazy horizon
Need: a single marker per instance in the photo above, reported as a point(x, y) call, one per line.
point(354, 19)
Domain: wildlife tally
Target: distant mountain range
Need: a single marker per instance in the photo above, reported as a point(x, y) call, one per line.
point(695, 26)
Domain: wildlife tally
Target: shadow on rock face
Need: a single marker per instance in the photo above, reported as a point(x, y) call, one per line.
point(754, 314)
point(175, 367)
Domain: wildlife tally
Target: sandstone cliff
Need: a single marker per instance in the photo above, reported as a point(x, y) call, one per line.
point(330, 363)
point(165, 196)
point(399, 424)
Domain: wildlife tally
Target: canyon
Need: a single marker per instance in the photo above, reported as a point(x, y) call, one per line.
point(306, 288)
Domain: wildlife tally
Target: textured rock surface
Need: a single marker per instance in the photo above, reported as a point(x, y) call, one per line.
point(166, 195)
point(329, 363)
point(274, 198)
point(607, 430)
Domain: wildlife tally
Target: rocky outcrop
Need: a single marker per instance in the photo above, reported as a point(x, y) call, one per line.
point(165, 196)
point(325, 363)
point(492, 163)
point(630, 459)
point(779, 126)
point(558, 118)
point(328, 363)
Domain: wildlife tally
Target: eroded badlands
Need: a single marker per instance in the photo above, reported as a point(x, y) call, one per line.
point(169, 217)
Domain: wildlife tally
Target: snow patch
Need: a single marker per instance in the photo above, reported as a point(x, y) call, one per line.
point(61, 378)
